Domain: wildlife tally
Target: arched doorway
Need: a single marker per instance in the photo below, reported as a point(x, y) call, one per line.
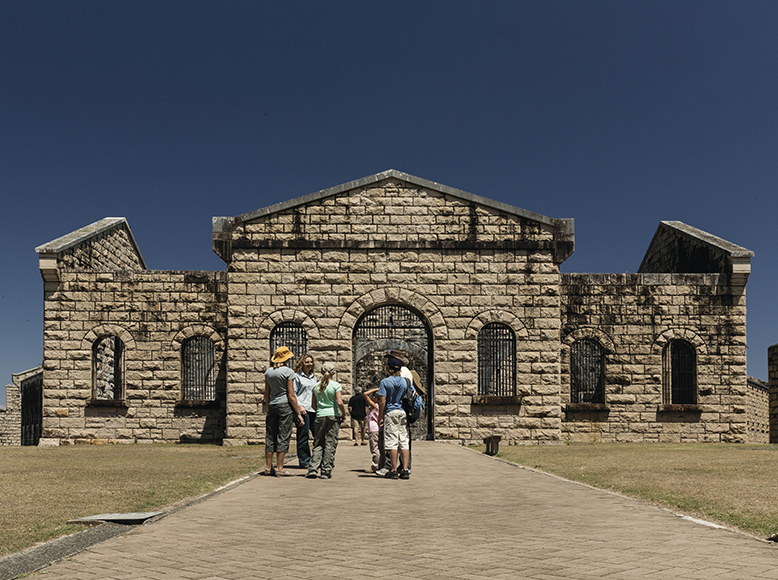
point(395, 327)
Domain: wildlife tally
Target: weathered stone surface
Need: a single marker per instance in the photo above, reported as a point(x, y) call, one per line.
point(458, 260)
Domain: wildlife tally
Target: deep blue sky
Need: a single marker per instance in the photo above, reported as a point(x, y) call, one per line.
point(618, 114)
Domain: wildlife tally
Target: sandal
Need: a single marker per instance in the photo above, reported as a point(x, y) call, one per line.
point(269, 473)
point(284, 473)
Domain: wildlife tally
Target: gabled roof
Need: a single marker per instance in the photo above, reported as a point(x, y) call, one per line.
point(564, 226)
point(695, 251)
point(714, 242)
point(74, 238)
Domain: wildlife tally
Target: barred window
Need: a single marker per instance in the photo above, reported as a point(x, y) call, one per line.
point(587, 372)
point(291, 335)
point(107, 368)
point(679, 366)
point(198, 369)
point(497, 360)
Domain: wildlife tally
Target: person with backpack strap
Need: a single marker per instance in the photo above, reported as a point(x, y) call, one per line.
point(394, 419)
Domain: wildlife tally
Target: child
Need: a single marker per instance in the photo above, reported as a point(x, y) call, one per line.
point(375, 433)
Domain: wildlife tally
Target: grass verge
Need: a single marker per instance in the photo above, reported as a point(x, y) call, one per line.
point(42, 488)
point(732, 485)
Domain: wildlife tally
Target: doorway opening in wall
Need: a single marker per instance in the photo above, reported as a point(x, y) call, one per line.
point(395, 327)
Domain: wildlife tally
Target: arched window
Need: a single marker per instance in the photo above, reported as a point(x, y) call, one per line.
point(108, 369)
point(679, 376)
point(198, 369)
point(497, 360)
point(291, 335)
point(587, 372)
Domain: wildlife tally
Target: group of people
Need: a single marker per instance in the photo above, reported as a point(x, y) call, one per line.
point(296, 398)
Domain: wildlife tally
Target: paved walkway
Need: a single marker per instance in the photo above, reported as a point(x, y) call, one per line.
point(462, 515)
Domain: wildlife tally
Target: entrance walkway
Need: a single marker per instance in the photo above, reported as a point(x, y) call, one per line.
point(462, 515)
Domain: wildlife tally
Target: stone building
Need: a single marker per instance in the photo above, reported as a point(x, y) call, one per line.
point(469, 287)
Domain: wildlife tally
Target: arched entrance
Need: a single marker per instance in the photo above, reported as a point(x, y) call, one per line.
point(395, 327)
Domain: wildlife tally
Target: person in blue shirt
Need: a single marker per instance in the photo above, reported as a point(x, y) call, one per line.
point(393, 418)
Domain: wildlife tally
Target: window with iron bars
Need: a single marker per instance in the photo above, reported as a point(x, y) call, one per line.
point(587, 372)
point(107, 368)
point(291, 335)
point(496, 360)
point(198, 369)
point(679, 366)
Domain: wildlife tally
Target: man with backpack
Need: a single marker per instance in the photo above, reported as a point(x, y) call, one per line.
point(394, 418)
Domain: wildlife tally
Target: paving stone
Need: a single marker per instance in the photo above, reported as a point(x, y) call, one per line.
point(461, 515)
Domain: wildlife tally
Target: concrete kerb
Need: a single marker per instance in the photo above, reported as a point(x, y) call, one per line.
point(42, 555)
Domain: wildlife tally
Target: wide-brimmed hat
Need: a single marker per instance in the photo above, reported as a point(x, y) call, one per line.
point(328, 367)
point(282, 354)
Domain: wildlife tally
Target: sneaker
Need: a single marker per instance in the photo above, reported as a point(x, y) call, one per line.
point(382, 472)
point(325, 476)
point(311, 475)
point(405, 474)
point(392, 475)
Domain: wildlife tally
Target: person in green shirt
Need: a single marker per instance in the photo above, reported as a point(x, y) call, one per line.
point(327, 401)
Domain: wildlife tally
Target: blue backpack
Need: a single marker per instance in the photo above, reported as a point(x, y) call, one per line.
point(412, 404)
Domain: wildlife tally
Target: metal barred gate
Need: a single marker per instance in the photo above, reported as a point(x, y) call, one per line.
point(395, 327)
point(32, 410)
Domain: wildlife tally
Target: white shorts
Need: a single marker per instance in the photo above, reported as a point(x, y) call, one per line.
point(396, 430)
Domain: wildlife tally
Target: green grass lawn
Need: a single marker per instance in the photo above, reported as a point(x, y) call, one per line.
point(42, 488)
point(733, 485)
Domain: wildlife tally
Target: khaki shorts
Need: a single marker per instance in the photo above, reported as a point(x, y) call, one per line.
point(396, 430)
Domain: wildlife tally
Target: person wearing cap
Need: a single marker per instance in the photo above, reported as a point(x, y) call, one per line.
point(328, 403)
point(393, 418)
point(281, 407)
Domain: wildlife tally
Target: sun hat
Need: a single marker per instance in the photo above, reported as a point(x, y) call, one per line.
point(328, 367)
point(282, 354)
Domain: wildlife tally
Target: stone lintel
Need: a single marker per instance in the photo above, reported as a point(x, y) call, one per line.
point(266, 244)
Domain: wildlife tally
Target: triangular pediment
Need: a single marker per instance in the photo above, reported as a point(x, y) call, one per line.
point(393, 209)
point(383, 176)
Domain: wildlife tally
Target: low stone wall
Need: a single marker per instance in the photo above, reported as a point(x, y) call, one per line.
point(11, 417)
point(772, 372)
point(758, 414)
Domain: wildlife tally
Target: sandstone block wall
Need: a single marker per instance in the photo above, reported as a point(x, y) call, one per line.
point(633, 316)
point(152, 312)
point(459, 265)
point(772, 372)
point(758, 414)
point(11, 417)
point(112, 249)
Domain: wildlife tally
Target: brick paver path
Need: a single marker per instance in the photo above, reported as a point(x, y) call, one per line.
point(462, 515)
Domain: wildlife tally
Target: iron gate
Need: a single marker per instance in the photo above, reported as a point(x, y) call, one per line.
point(496, 360)
point(587, 358)
point(395, 327)
point(199, 372)
point(292, 336)
point(680, 373)
point(32, 409)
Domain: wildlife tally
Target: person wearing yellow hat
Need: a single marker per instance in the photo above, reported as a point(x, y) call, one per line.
point(281, 407)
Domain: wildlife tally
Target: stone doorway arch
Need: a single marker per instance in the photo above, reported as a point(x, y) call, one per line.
point(395, 327)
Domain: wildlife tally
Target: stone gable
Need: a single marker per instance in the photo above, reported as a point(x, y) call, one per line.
point(470, 287)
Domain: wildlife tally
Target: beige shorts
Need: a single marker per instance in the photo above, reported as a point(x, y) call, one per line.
point(396, 430)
